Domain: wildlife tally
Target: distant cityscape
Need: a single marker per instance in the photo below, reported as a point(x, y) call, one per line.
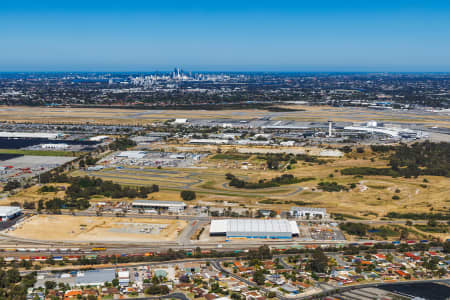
point(185, 88)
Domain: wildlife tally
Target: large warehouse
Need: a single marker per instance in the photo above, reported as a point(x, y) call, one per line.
point(254, 228)
point(170, 206)
point(9, 212)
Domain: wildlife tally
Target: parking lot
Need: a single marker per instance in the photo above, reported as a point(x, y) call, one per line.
point(29, 165)
point(152, 159)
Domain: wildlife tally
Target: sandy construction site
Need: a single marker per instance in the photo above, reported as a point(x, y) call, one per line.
point(98, 229)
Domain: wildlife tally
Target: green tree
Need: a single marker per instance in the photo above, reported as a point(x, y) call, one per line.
point(258, 277)
point(50, 285)
point(188, 195)
point(115, 282)
point(318, 262)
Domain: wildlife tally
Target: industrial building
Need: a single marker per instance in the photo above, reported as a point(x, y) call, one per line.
point(131, 154)
point(254, 228)
point(31, 135)
point(99, 138)
point(95, 277)
point(54, 146)
point(124, 278)
point(9, 212)
point(313, 212)
point(169, 206)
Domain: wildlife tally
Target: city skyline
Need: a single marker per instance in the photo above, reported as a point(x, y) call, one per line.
point(361, 36)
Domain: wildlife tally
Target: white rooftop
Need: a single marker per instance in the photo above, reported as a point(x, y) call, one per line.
point(47, 135)
point(314, 209)
point(98, 138)
point(155, 203)
point(6, 211)
point(253, 225)
point(123, 274)
point(132, 154)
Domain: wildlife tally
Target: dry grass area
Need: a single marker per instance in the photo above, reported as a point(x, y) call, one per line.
point(32, 194)
point(61, 115)
point(98, 229)
point(143, 117)
point(357, 114)
point(371, 199)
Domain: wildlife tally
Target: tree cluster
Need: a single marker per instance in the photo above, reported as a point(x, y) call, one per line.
point(331, 186)
point(318, 262)
point(121, 144)
point(11, 185)
point(273, 159)
point(354, 228)
point(424, 158)
point(13, 286)
point(418, 216)
point(274, 182)
point(188, 195)
point(82, 188)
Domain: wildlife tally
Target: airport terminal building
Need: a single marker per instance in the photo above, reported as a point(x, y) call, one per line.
point(254, 228)
point(9, 212)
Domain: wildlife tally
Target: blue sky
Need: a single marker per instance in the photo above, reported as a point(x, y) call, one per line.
point(315, 35)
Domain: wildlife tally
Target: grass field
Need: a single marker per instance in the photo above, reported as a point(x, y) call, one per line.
point(38, 152)
point(97, 229)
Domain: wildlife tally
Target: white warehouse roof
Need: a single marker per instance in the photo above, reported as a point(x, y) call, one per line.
point(254, 226)
point(294, 228)
point(132, 154)
point(45, 135)
point(6, 211)
point(218, 226)
point(98, 138)
point(153, 203)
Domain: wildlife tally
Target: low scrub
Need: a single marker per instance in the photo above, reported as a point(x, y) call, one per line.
point(231, 156)
point(418, 216)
